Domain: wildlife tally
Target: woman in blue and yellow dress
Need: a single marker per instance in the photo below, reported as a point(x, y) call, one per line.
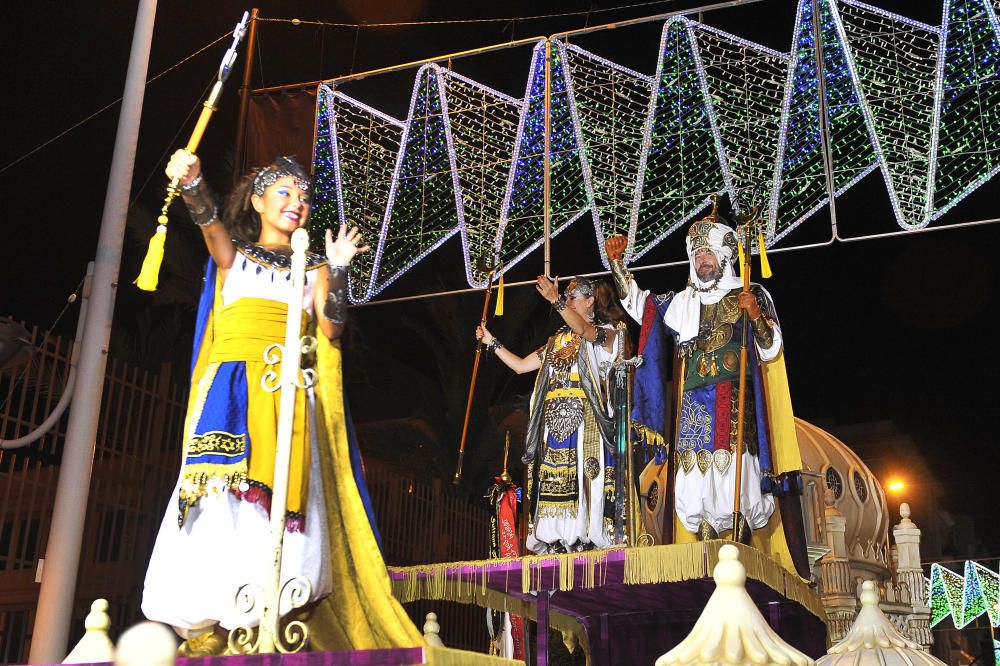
point(215, 535)
point(570, 438)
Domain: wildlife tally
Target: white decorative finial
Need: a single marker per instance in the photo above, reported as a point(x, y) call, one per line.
point(731, 631)
point(95, 644)
point(874, 641)
point(98, 619)
point(431, 630)
point(146, 644)
point(904, 515)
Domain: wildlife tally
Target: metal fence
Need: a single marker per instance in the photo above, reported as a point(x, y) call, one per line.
point(136, 456)
point(135, 462)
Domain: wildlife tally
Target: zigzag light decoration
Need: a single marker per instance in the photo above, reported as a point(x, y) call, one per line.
point(966, 597)
point(642, 154)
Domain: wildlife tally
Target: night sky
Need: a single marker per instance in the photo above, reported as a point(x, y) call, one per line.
point(890, 329)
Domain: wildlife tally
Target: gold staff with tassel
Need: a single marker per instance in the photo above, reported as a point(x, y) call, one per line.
point(741, 531)
point(150, 272)
point(475, 364)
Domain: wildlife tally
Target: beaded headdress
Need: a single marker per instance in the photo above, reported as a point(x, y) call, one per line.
point(707, 233)
point(282, 167)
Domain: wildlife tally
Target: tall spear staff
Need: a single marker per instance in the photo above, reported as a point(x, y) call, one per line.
point(475, 374)
point(149, 274)
point(742, 395)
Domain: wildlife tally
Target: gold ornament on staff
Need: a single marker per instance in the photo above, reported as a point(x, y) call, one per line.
point(150, 272)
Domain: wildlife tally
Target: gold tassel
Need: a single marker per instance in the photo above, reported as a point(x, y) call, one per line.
point(150, 273)
point(743, 256)
point(498, 312)
point(765, 267)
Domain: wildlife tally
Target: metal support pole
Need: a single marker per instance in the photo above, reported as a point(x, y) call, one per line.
point(62, 554)
point(542, 628)
point(547, 161)
point(239, 159)
point(824, 119)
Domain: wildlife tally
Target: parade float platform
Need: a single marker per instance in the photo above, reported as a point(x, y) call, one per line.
point(431, 656)
point(623, 605)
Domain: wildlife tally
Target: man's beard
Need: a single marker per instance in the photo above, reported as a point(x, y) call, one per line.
point(714, 273)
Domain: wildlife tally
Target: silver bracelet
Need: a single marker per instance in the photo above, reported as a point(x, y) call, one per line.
point(494, 345)
point(559, 304)
point(214, 216)
point(194, 184)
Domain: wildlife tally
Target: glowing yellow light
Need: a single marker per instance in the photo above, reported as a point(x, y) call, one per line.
point(896, 485)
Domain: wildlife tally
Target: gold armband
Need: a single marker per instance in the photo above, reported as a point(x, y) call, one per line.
point(762, 331)
point(622, 277)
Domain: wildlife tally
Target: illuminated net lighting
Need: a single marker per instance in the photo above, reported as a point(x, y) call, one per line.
point(643, 154)
point(894, 61)
point(799, 188)
point(353, 169)
point(482, 124)
point(964, 598)
point(422, 211)
point(522, 219)
point(968, 132)
point(679, 165)
point(609, 105)
point(745, 83)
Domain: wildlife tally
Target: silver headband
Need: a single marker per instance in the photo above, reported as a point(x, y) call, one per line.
point(581, 287)
point(272, 174)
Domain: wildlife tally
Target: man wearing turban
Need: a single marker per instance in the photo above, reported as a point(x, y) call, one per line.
point(696, 448)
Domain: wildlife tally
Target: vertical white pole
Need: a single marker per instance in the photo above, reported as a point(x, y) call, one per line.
point(50, 635)
point(290, 362)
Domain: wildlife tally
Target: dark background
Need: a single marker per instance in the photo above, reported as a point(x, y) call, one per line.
point(891, 329)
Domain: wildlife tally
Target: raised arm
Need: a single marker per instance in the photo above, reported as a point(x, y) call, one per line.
point(519, 364)
point(549, 290)
point(330, 290)
point(202, 207)
point(632, 298)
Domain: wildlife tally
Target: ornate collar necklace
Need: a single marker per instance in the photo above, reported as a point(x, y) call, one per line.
point(274, 259)
point(704, 290)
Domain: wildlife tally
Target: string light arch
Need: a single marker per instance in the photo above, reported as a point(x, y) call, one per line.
point(642, 154)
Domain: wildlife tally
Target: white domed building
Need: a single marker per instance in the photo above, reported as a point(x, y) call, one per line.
point(847, 531)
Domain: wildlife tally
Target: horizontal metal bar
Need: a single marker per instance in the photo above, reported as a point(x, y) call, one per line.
point(506, 45)
point(405, 65)
point(656, 17)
